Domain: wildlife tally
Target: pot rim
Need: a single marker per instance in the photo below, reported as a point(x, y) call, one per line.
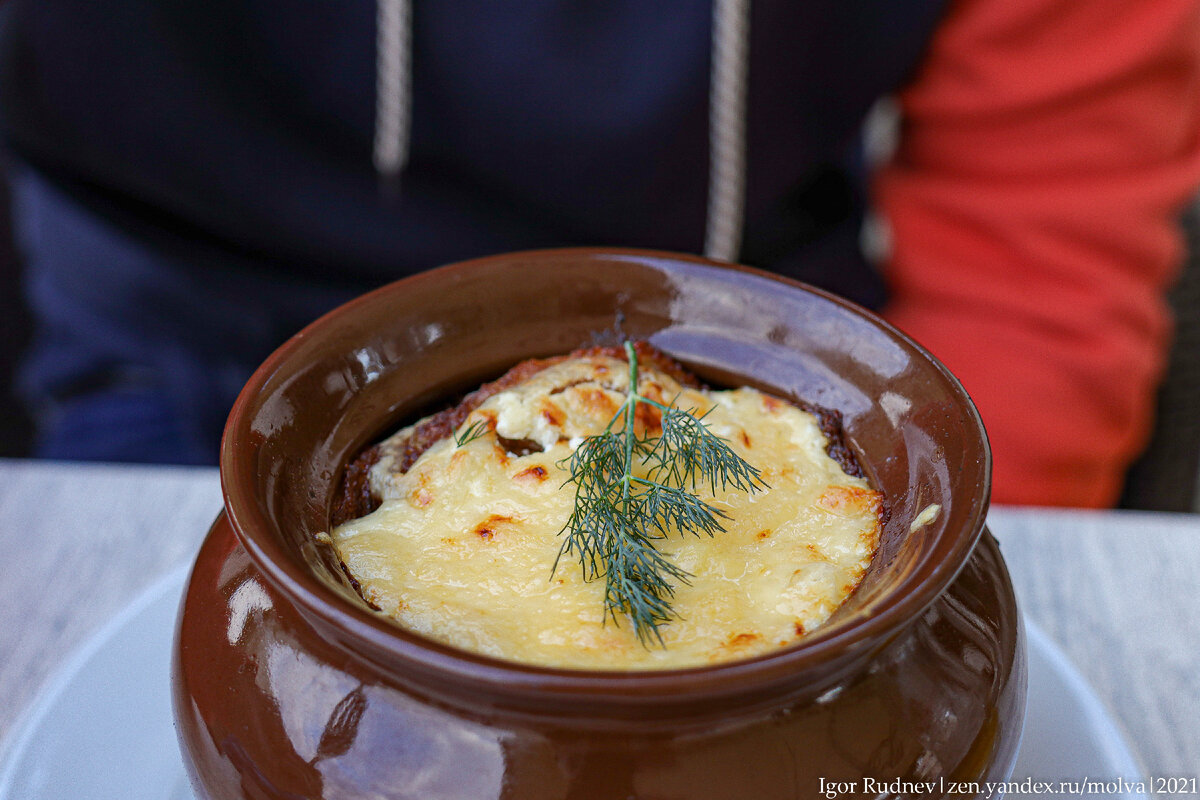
point(436, 666)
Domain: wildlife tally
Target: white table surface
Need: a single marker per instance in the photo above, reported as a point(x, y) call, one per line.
point(1116, 590)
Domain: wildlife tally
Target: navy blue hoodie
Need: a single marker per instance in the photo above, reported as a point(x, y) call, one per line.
point(195, 162)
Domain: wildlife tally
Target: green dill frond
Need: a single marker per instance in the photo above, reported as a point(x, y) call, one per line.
point(619, 516)
point(639, 585)
point(470, 433)
point(599, 462)
point(692, 452)
point(673, 509)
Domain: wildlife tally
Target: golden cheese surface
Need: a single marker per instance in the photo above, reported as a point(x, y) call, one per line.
point(463, 546)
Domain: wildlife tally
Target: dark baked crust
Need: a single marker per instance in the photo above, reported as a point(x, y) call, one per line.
point(830, 422)
point(354, 498)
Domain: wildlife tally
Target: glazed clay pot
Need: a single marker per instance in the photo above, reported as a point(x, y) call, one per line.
point(286, 685)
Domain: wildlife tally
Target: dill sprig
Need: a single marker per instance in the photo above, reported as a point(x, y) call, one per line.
point(470, 433)
point(620, 516)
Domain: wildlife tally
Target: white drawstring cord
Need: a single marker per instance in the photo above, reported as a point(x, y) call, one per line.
point(727, 112)
point(727, 129)
point(393, 85)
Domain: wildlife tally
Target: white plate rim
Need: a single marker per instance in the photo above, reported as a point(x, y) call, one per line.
point(28, 722)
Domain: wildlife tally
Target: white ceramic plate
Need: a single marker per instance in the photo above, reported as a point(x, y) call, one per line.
point(101, 728)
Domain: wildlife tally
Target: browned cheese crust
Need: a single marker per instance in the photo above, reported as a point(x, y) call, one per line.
point(354, 498)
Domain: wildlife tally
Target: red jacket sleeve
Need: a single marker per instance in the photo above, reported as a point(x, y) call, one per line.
point(1046, 149)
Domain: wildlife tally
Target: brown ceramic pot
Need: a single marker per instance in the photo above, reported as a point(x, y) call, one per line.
point(286, 685)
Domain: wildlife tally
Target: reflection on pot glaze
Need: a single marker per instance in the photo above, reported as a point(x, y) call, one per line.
point(249, 597)
point(333, 723)
point(336, 724)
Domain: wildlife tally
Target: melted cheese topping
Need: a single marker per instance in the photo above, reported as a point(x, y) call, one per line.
point(463, 546)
